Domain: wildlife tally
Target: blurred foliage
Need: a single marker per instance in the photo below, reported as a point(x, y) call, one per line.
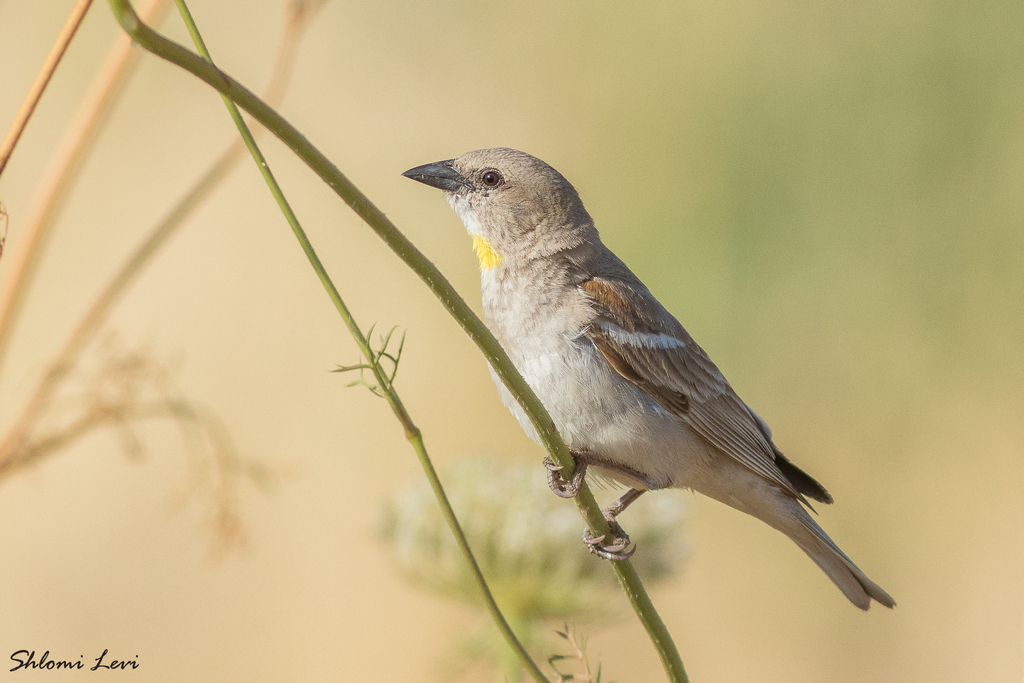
point(529, 546)
point(527, 541)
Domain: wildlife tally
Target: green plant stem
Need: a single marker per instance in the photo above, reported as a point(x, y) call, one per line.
point(412, 432)
point(442, 289)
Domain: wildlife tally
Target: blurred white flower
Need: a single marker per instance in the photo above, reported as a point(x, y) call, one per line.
point(526, 540)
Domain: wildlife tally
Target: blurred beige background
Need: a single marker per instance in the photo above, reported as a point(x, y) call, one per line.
point(828, 195)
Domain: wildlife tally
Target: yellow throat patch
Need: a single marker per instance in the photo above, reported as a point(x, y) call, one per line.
point(485, 253)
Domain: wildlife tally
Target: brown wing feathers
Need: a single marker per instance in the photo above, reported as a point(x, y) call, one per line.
point(673, 401)
point(685, 381)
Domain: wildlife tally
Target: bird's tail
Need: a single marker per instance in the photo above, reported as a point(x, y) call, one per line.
point(844, 573)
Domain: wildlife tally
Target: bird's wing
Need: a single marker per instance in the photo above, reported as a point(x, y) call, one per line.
point(649, 347)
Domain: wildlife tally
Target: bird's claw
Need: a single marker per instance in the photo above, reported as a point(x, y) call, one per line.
point(561, 487)
point(616, 549)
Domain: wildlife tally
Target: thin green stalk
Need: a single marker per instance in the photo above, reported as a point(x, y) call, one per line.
point(449, 298)
point(383, 381)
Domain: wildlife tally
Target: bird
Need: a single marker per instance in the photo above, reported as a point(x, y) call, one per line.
point(628, 389)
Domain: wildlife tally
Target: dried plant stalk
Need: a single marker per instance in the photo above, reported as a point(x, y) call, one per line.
point(59, 178)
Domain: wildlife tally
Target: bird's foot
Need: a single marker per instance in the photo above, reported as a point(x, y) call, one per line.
point(616, 548)
point(561, 487)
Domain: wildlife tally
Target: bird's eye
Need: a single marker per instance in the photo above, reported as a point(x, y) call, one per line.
point(492, 178)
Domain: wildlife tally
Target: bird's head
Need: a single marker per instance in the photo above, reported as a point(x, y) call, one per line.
point(510, 203)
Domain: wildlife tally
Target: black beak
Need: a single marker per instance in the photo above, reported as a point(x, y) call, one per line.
point(439, 174)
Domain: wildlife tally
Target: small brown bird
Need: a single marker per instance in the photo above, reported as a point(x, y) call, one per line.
point(630, 392)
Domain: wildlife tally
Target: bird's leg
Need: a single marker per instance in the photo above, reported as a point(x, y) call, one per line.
point(618, 546)
point(616, 549)
point(617, 508)
point(559, 486)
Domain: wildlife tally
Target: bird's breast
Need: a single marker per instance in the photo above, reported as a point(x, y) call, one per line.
point(542, 325)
